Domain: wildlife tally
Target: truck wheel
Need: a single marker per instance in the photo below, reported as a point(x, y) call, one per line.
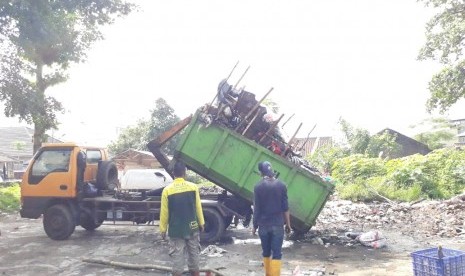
point(107, 175)
point(214, 226)
point(58, 222)
point(88, 223)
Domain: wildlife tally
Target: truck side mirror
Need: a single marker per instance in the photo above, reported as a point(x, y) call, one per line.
point(81, 160)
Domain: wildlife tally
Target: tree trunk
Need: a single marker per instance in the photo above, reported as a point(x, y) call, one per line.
point(39, 130)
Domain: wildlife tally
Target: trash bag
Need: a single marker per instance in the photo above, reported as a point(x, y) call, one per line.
point(374, 239)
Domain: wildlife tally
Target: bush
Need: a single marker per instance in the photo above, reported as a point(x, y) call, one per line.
point(10, 198)
point(438, 175)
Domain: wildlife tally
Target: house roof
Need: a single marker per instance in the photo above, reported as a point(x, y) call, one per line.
point(16, 142)
point(311, 144)
point(4, 158)
point(400, 136)
point(136, 155)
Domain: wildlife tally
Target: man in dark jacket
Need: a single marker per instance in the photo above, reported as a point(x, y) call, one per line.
point(181, 213)
point(271, 213)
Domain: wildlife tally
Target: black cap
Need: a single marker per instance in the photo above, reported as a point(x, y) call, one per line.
point(266, 169)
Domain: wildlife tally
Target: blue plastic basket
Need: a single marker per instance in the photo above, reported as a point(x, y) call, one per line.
point(427, 263)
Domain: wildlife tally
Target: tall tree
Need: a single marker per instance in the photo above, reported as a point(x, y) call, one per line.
point(445, 34)
point(39, 39)
point(137, 137)
point(131, 137)
point(162, 119)
point(361, 142)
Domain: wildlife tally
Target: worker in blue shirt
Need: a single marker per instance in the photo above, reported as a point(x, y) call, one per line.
point(271, 213)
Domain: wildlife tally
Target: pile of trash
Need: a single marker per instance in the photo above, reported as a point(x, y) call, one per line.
point(420, 219)
point(238, 110)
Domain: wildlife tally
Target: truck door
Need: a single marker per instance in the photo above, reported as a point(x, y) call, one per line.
point(51, 174)
point(93, 157)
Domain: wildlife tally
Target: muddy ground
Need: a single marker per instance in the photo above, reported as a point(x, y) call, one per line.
point(325, 250)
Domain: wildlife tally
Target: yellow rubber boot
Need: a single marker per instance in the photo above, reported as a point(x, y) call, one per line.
point(267, 265)
point(275, 267)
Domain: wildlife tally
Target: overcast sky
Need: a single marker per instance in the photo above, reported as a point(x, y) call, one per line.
point(325, 59)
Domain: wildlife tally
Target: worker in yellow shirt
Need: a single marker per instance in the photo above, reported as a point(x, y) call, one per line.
point(181, 214)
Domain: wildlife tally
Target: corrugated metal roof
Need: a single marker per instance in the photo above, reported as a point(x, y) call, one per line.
point(4, 158)
point(312, 144)
point(16, 141)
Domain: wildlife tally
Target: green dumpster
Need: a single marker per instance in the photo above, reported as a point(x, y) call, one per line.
point(231, 161)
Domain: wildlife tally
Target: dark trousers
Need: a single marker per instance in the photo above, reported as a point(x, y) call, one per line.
point(272, 241)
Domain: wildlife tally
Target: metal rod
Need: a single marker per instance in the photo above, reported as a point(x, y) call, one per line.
point(288, 120)
point(251, 122)
point(295, 133)
point(271, 128)
point(290, 140)
point(306, 139)
point(253, 109)
point(237, 83)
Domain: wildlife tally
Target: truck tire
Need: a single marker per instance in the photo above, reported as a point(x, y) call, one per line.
point(87, 222)
point(214, 226)
point(107, 175)
point(58, 222)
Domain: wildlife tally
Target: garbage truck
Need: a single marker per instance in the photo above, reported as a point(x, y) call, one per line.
point(221, 153)
point(71, 185)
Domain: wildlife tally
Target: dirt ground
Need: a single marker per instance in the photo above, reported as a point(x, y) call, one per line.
point(325, 250)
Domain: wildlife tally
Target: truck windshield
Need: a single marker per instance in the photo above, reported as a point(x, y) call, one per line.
point(56, 160)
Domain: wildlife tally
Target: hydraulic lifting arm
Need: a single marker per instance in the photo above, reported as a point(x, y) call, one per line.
point(155, 145)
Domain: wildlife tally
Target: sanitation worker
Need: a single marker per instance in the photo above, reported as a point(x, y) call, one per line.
point(181, 214)
point(271, 213)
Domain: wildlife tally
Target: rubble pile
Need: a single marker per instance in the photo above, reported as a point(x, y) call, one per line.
point(421, 219)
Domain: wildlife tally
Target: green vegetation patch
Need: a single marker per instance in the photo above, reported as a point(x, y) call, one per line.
point(438, 175)
point(10, 198)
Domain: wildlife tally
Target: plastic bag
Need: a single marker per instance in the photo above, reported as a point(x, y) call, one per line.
point(373, 239)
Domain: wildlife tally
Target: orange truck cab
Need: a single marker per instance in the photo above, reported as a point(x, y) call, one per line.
point(55, 180)
point(71, 185)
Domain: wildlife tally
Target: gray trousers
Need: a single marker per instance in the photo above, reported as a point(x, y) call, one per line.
point(181, 246)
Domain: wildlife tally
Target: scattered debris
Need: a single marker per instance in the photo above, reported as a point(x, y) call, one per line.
point(373, 239)
point(213, 251)
point(424, 219)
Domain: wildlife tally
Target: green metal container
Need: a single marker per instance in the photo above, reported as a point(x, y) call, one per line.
point(231, 161)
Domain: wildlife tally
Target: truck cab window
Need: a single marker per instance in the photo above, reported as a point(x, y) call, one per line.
point(56, 160)
point(93, 156)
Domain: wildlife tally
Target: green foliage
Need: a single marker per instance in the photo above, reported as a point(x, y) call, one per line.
point(324, 157)
point(360, 141)
point(132, 137)
point(440, 133)
point(10, 198)
point(137, 137)
point(383, 145)
point(163, 118)
point(39, 39)
point(357, 138)
point(357, 166)
point(438, 175)
point(445, 34)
